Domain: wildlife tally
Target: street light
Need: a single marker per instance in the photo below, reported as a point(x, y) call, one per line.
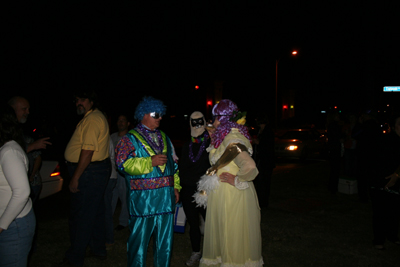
point(294, 53)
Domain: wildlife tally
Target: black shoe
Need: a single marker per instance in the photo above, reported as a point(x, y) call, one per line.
point(379, 247)
point(66, 262)
point(120, 227)
point(395, 241)
point(90, 254)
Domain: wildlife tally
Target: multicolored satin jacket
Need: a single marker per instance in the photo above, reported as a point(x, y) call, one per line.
point(151, 188)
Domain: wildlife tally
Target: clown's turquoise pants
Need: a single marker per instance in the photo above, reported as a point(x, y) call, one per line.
point(141, 230)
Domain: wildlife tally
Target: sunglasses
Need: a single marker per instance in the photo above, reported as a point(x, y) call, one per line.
point(155, 115)
point(217, 117)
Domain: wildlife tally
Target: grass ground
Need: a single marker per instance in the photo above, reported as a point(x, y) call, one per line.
point(304, 226)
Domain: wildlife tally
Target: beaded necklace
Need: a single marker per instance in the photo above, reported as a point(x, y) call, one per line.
point(202, 147)
point(145, 132)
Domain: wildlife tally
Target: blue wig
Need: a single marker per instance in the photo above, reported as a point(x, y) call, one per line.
point(147, 105)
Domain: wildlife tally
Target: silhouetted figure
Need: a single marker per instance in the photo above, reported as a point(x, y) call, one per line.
point(335, 139)
point(367, 138)
point(264, 156)
point(349, 157)
point(385, 189)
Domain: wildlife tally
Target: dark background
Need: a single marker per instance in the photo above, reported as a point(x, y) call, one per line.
point(347, 53)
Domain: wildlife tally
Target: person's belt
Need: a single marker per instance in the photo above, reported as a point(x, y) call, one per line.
point(91, 163)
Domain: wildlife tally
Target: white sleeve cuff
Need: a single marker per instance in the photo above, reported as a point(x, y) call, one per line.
point(241, 185)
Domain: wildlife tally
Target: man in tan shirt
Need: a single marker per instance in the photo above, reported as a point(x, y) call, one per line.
point(87, 156)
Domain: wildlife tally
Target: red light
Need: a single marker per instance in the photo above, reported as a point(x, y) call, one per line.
point(196, 87)
point(34, 130)
point(294, 53)
point(285, 106)
point(209, 103)
point(335, 107)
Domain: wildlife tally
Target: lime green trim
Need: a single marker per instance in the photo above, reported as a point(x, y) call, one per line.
point(165, 149)
point(177, 181)
point(144, 142)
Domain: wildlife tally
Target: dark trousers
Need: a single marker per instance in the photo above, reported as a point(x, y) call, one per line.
point(192, 215)
point(86, 222)
point(386, 216)
point(350, 162)
point(262, 183)
point(108, 210)
point(334, 173)
point(366, 171)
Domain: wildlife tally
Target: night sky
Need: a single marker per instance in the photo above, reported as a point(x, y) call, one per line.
point(347, 53)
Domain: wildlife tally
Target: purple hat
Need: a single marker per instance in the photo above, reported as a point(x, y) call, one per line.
point(223, 111)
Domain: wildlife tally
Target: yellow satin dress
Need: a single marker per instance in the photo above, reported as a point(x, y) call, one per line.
point(232, 229)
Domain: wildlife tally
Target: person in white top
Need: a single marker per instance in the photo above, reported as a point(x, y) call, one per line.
point(119, 191)
point(17, 220)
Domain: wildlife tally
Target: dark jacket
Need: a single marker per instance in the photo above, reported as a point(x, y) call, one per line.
point(264, 152)
point(388, 159)
point(190, 172)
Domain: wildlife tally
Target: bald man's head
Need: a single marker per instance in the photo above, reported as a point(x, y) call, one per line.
point(21, 108)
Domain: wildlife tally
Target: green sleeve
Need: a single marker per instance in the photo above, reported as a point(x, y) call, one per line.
point(177, 181)
point(138, 166)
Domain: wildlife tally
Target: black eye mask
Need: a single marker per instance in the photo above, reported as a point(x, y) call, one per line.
point(197, 123)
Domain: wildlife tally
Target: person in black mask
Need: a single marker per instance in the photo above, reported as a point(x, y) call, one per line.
point(193, 164)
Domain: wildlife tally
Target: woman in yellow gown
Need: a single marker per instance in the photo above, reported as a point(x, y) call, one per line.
point(232, 231)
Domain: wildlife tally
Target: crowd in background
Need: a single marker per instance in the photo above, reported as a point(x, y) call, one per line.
point(359, 148)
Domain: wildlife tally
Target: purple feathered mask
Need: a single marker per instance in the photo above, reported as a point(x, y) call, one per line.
point(223, 111)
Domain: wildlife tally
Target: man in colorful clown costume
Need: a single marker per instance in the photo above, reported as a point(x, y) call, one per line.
point(146, 156)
